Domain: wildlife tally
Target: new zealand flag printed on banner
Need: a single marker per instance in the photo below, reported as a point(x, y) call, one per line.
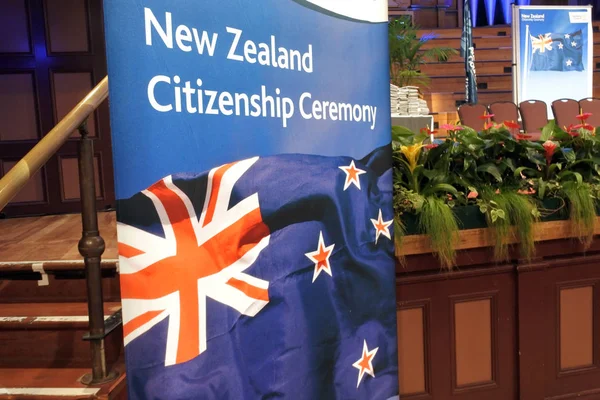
point(557, 52)
point(259, 280)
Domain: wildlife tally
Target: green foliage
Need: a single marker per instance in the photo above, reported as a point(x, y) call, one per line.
point(502, 173)
point(407, 54)
point(399, 232)
point(439, 222)
point(494, 207)
point(512, 216)
point(582, 210)
point(523, 213)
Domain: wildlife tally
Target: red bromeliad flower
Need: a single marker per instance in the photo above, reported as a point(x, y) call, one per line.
point(427, 131)
point(571, 130)
point(511, 125)
point(527, 191)
point(584, 116)
point(549, 146)
point(450, 127)
point(585, 126)
point(472, 195)
point(486, 116)
point(522, 136)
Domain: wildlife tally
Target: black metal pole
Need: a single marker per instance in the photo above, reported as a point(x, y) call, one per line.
point(91, 247)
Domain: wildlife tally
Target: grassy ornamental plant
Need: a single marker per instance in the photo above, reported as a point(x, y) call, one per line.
point(512, 180)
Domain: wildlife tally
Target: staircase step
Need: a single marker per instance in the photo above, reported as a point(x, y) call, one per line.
point(46, 335)
point(40, 261)
point(57, 383)
point(489, 42)
point(457, 83)
point(456, 33)
point(458, 68)
point(499, 54)
point(53, 237)
point(21, 285)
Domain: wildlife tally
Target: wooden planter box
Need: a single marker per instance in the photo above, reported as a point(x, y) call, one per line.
point(511, 330)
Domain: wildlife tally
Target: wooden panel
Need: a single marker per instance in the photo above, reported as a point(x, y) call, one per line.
point(67, 22)
point(14, 27)
point(489, 291)
point(411, 350)
point(32, 192)
point(576, 327)
point(553, 295)
point(70, 178)
point(63, 54)
point(473, 342)
point(69, 89)
point(426, 18)
point(17, 107)
point(448, 18)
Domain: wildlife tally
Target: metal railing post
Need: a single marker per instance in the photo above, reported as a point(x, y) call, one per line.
point(91, 247)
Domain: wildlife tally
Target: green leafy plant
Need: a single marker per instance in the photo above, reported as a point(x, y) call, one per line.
point(512, 215)
point(407, 54)
point(420, 183)
point(514, 181)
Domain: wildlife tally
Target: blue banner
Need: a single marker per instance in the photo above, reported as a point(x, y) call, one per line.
point(253, 177)
point(553, 53)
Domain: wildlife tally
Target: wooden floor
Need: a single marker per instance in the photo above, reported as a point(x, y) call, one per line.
point(52, 237)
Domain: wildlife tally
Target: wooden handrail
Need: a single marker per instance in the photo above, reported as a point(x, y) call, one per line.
point(20, 174)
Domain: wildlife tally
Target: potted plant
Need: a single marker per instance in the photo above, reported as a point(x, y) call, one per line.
point(511, 181)
point(407, 54)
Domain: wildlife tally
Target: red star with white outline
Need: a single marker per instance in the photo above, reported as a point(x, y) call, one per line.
point(321, 257)
point(381, 227)
point(352, 175)
point(365, 363)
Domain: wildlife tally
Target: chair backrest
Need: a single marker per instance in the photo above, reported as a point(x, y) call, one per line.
point(565, 112)
point(470, 115)
point(535, 116)
point(504, 111)
point(591, 105)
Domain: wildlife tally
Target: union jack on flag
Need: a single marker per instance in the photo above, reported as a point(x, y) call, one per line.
point(264, 277)
point(541, 43)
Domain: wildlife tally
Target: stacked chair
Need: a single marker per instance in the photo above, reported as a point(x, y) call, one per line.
point(532, 114)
